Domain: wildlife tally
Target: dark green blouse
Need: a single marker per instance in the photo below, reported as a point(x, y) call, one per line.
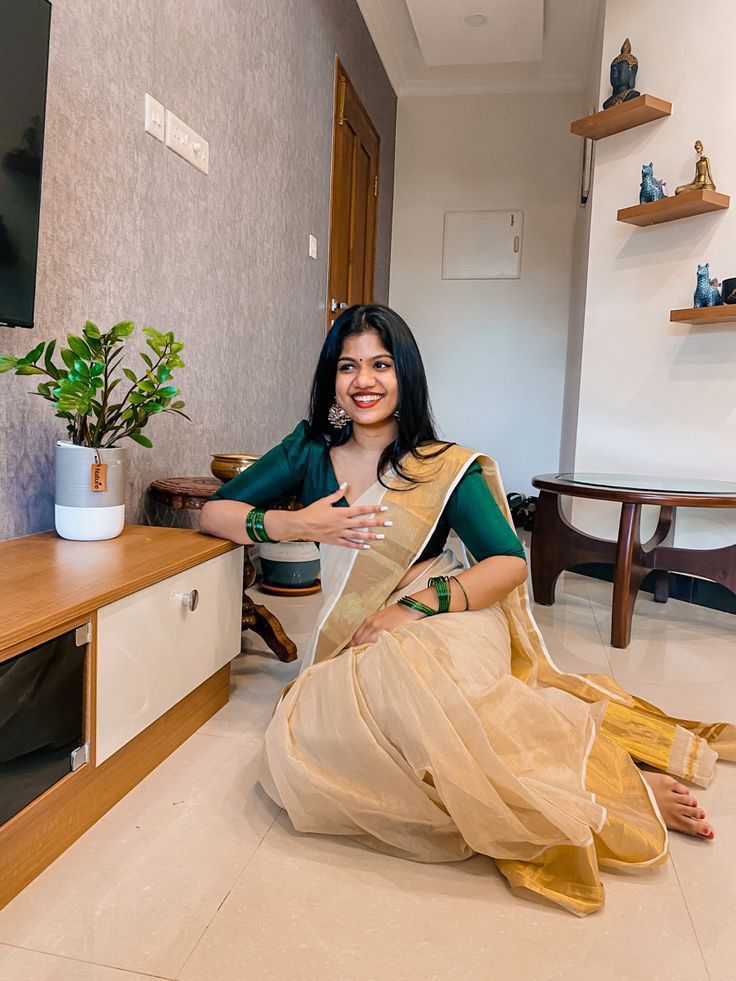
point(301, 467)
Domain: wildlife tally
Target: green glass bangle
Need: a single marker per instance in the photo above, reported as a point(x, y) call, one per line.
point(462, 590)
point(414, 604)
point(254, 526)
point(444, 596)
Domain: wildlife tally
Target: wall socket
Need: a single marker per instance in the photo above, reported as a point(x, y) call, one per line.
point(153, 120)
point(190, 145)
point(312, 247)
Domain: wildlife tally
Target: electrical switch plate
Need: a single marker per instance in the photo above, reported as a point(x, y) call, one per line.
point(154, 117)
point(312, 247)
point(190, 145)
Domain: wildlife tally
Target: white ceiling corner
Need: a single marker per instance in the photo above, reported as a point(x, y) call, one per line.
point(526, 46)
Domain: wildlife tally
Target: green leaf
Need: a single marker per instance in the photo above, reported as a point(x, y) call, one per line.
point(28, 369)
point(67, 356)
point(130, 375)
point(135, 398)
point(153, 407)
point(178, 405)
point(50, 366)
point(96, 368)
point(79, 347)
point(33, 356)
point(143, 440)
point(146, 386)
point(124, 329)
point(91, 330)
point(169, 391)
point(147, 359)
point(163, 372)
point(8, 363)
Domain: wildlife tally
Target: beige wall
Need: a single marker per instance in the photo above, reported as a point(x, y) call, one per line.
point(495, 350)
point(128, 230)
point(656, 398)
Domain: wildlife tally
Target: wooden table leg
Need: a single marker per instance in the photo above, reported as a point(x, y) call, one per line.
point(629, 573)
point(260, 620)
point(557, 545)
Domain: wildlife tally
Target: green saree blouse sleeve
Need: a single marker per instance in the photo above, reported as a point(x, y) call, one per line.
point(478, 520)
point(278, 474)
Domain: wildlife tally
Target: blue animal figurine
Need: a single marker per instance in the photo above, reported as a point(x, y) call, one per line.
point(707, 293)
point(652, 189)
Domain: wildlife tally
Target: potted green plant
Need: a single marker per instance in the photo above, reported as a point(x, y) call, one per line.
point(90, 465)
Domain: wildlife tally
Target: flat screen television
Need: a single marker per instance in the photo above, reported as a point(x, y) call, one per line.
point(24, 55)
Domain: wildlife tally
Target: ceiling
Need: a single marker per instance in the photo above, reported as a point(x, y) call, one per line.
point(428, 48)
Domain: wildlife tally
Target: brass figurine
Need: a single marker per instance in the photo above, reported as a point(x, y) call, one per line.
point(703, 177)
point(623, 77)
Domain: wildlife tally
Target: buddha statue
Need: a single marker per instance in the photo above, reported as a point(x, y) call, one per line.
point(703, 178)
point(623, 77)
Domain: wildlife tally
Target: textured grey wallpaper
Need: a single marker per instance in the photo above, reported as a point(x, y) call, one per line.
point(129, 230)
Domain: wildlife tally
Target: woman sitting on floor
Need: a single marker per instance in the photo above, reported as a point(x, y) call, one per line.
point(428, 720)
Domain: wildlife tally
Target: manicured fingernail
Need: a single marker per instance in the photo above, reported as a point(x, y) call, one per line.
point(384, 507)
point(388, 524)
point(366, 546)
point(380, 536)
point(343, 486)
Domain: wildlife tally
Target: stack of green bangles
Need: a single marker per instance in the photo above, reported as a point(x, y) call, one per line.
point(254, 528)
point(443, 587)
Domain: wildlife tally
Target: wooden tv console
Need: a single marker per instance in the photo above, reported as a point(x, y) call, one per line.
point(155, 668)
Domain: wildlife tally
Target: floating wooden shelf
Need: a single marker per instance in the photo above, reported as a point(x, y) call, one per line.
point(702, 316)
point(673, 208)
point(626, 115)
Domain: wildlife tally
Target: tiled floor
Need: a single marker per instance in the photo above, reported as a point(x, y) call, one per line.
point(197, 875)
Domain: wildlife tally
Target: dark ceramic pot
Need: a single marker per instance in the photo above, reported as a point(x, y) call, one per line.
point(728, 290)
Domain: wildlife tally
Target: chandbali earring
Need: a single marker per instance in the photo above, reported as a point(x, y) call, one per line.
point(337, 416)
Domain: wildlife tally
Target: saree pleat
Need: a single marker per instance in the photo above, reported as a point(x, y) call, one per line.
point(458, 735)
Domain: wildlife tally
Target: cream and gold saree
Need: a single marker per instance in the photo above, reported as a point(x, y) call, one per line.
point(457, 734)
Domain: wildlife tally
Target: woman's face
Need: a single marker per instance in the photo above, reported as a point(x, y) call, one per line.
point(366, 385)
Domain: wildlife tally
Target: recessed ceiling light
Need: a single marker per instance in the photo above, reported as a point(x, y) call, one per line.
point(475, 20)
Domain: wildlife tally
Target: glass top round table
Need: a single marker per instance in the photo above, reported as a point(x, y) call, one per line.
point(642, 482)
point(640, 488)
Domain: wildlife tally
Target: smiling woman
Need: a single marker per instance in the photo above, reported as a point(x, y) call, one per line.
point(428, 720)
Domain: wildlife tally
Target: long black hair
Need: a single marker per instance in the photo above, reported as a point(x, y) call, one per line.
point(416, 425)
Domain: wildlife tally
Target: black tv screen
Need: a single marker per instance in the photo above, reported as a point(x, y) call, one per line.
point(24, 51)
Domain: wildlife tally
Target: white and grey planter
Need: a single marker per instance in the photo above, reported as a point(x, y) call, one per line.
point(290, 565)
point(81, 514)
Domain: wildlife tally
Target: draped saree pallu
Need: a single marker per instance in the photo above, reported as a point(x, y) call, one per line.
point(457, 734)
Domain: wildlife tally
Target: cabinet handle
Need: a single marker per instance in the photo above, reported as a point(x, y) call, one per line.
point(191, 600)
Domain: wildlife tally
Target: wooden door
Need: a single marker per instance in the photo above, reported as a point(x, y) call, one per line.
point(353, 201)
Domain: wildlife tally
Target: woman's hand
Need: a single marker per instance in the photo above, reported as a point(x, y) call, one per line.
point(321, 522)
point(389, 619)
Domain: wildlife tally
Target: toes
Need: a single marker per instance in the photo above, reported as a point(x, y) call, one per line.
point(693, 813)
point(692, 827)
point(678, 788)
point(686, 800)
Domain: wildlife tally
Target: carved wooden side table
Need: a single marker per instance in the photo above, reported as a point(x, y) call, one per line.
point(171, 496)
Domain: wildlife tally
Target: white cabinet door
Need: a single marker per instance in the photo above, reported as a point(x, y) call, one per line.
point(482, 244)
point(152, 650)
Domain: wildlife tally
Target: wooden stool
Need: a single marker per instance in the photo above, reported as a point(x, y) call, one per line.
point(189, 494)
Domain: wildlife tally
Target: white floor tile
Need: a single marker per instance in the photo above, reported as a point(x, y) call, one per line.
point(17, 964)
point(316, 907)
point(139, 888)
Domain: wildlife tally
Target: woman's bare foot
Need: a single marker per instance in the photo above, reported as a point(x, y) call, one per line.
point(679, 808)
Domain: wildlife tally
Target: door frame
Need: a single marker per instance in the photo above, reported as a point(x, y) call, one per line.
point(338, 115)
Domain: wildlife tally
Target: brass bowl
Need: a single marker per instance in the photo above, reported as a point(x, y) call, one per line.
point(225, 466)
